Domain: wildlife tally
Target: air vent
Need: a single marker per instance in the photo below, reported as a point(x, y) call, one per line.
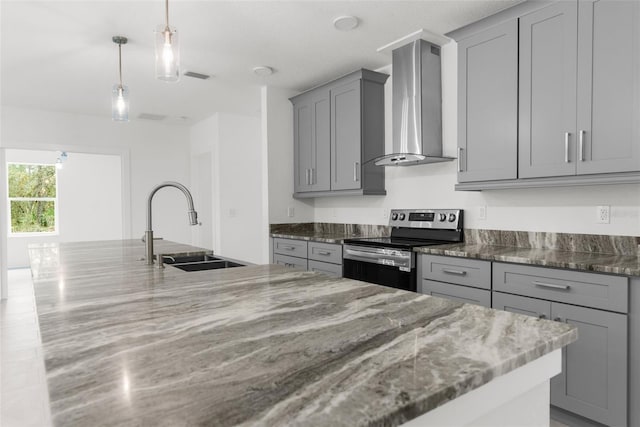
point(147, 116)
point(196, 75)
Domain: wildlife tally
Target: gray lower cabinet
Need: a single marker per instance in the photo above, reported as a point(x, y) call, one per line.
point(453, 292)
point(593, 383)
point(488, 104)
point(313, 256)
point(338, 130)
point(290, 261)
point(458, 279)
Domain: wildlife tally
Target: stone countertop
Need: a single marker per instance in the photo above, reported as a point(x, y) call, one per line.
point(128, 344)
point(315, 236)
point(628, 265)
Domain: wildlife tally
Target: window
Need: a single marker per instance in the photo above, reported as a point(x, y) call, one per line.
point(32, 198)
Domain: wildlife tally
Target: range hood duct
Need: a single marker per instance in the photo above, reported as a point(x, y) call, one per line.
point(417, 106)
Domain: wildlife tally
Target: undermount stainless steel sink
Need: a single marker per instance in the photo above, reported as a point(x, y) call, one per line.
point(199, 262)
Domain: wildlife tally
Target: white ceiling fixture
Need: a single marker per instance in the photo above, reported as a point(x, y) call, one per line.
point(167, 51)
point(346, 23)
point(120, 92)
point(263, 71)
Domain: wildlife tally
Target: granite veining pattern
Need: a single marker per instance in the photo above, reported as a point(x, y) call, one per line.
point(325, 232)
point(585, 252)
point(128, 344)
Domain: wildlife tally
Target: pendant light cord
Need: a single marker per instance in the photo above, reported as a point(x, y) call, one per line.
point(167, 13)
point(120, 63)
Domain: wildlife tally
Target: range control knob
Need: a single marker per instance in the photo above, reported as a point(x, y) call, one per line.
point(394, 216)
point(402, 217)
point(443, 217)
point(452, 217)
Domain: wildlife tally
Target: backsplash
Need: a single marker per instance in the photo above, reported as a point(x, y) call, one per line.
point(619, 245)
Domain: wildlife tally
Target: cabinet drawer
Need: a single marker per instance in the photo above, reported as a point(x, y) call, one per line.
point(467, 272)
point(333, 270)
point(455, 292)
point(290, 261)
point(325, 252)
point(573, 287)
point(290, 247)
point(522, 305)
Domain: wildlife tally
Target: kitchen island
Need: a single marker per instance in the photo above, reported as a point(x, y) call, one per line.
point(128, 344)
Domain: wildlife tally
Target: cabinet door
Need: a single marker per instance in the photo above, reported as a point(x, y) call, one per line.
point(548, 57)
point(608, 86)
point(488, 104)
point(311, 142)
point(593, 382)
point(522, 305)
point(302, 143)
point(456, 292)
point(346, 137)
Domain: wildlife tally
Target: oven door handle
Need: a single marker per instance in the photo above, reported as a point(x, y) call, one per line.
point(376, 256)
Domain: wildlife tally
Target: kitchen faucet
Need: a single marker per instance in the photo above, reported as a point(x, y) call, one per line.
point(148, 234)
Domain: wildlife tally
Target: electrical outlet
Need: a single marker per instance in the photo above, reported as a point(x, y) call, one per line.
point(385, 214)
point(603, 215)
point(232, 213)
point(291, 212)
point(482, 213)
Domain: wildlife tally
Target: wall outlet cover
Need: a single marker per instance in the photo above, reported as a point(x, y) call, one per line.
point(291, 211)
point(482, 213)
point(603, 215)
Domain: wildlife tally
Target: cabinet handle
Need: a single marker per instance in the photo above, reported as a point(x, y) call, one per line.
point(324, 253)
point(581, 145)
point(542, 316)
point(308, 177)
point(288, 248)
point(456, 272)
point(313, 176)
point(551, 285)
point(355, 171)
point(566, 146)
point(460, 159)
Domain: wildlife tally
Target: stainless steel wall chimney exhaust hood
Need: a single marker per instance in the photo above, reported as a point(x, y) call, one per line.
point(417, 106)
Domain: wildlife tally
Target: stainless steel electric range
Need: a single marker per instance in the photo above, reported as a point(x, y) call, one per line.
point(390, 261)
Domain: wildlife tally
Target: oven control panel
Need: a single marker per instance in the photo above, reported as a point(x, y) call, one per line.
point(447, 219)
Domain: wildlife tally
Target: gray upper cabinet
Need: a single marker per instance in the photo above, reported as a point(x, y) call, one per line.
point(548, 60)
point(311, 141)
point(346, 137)
point(338, 131)
point(488, 104)
point(608, 86)
point(578, 74)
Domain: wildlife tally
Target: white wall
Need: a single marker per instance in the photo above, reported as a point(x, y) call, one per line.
point(89, 200)
point(234, 143)
point(152, 152)
point(571, 210)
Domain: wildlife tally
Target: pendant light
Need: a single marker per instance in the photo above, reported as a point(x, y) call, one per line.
point(167, 51)
point(120, 93)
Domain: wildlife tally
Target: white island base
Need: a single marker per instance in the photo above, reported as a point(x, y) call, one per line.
point(518, 398)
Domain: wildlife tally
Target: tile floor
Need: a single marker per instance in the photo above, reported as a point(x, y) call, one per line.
point(24, 399)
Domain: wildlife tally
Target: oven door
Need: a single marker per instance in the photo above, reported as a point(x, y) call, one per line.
point(388, 267)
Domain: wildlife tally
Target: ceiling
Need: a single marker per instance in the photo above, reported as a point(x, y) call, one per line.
point(58, 55)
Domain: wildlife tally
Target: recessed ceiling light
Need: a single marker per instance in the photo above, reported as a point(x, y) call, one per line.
point(345, 23)
point(263, 71)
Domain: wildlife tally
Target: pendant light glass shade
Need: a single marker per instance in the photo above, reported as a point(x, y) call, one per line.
point(120, 103)
point(167, 54)
point(120, 92)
